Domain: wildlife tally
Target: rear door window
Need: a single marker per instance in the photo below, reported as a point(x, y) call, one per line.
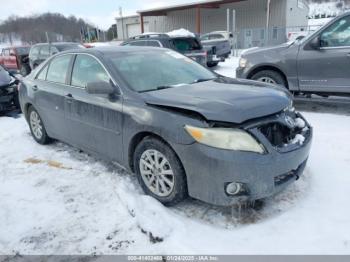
point(186, 44)
point(58, 69)
point(205, 37)
point(153, 43)
point(216, 36)
point(44, 51)
point(137, 43)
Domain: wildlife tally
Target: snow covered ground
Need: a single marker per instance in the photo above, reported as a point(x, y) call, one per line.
point(57, 200)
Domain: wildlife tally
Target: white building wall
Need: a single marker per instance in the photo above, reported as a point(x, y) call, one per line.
point(250, 14)
point(297, 13)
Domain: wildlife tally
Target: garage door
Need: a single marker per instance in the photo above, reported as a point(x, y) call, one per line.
point(135, 29)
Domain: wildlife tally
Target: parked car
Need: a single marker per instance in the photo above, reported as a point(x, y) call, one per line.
point(319, 63)
point(187, 45)
point(15, 59)
point(181, 128)
point(40, 52)
point(221, 45)
point(8, 91)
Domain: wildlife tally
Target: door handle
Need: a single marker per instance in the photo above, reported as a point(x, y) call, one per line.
point(69, 98)
point(35, 88)
point(348, 55)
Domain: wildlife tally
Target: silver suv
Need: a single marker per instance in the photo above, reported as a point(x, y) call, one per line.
point(319, 63)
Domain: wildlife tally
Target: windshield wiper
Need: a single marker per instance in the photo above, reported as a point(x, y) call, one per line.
point(202, 80)
point(156, 89)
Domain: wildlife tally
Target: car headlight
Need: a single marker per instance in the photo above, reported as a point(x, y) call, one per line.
point(225, 138)
point(243, 62)
point(290, 108)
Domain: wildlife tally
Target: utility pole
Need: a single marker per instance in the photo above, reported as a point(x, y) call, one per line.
point(228, 20)
point(268, 20)
point(88, 33)
point(121, 16)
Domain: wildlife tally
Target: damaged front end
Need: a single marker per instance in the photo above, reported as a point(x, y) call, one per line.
point(9, 96)
point(235, 176)
point(283, 132)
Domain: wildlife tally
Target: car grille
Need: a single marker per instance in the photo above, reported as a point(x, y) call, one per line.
point(285, 131)
point(278, 134)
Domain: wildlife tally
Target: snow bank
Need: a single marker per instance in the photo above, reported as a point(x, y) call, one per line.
point(87, 206)
point(300, 123)
point(181, 33)
point(299, 139)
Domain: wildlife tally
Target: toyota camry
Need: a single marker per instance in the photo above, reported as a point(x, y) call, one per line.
point(182, 129)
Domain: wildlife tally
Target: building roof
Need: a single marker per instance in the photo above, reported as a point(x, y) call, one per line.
point(202, 4)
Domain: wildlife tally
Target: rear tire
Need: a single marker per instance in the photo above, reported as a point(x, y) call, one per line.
point(160, 172)
point(269, 76)
point(37, 127)
point(212, 64)
point(16, 101)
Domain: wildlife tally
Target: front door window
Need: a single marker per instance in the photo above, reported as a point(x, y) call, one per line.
point(337, 35)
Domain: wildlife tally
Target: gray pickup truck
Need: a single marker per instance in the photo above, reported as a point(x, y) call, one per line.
point(218, 47)
point(318, 63)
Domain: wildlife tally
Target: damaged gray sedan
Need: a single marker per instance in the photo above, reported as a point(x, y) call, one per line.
point(184, 130)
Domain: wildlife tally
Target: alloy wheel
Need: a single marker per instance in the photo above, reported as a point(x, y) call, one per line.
point(267, 79)
point(35, 124)
point(157, 173)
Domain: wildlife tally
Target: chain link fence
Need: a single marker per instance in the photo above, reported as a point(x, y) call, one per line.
point(260, 37)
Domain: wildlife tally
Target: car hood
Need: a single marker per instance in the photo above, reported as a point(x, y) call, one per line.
point(224, 99)
point(277, 48)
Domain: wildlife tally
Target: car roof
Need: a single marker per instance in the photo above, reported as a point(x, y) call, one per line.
point(157, 36)
point(58, 43)
point(108, 50)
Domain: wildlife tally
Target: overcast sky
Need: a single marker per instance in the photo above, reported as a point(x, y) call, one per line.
point(98, 12)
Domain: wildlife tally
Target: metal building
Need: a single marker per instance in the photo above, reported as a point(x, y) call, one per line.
point(255, 22)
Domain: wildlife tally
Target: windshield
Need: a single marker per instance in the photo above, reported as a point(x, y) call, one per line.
point(186, 44)
point(151, 70)
point(22, 50)
point(313, 32)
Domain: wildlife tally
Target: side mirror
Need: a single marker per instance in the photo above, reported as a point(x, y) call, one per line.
point(315, 43)
point(100, 88)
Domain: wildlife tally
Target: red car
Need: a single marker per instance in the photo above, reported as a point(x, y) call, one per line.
point(15, 59)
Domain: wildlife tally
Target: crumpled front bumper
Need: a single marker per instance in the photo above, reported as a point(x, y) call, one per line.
point(209, 170)
point(7, 99)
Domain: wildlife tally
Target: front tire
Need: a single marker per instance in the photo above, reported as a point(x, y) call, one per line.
point(212, 64)
point(270, 77)
point(37, 127)
point(160, 172)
